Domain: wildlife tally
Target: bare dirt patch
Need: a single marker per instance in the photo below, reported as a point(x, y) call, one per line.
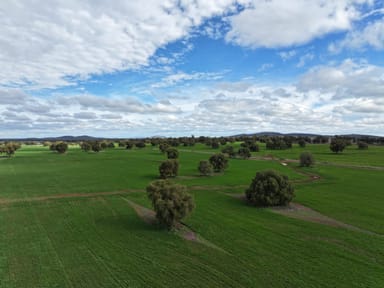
point(65, 196)
point(298, 211)
point(182, 230)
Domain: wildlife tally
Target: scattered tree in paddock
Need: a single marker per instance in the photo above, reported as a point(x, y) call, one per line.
point(60, 147)
point(96, 147)
point(244, 153)
point(9, 149)
point(103, 145)
point(269, 188)
point(172, 153)
point(205, 168)
point(170, 201)
point(362, 145)
point(229, 150)
point(140, 144)
point(85, 146)
point(302, 143)
point(129, 145)
point(306, 159)
point(169, 168)
point(337, 145)
point(164, 147)
point(215, 145)
point(219, 162)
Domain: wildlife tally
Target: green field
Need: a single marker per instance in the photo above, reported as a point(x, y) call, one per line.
point(52, 235)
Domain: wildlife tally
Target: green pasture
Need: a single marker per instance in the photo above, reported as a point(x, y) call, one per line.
point(101, 242)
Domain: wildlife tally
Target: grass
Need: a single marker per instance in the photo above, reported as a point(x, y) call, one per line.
point(101, 242)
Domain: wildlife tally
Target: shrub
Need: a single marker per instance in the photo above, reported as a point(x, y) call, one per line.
point(60, 147)
point(219, 162)
point(302, 143)
point(85, 146)
point(337, 145)
point(96, 147)
point(164, 147)
point(169, 168)
point(269, 188)
point(244, 152)
point(362, 145)
point(306, 159)
point(229, 150)
point(140, 144)
point(129, 145)
point(172, 153)
point(171, 202)
point(205, 168)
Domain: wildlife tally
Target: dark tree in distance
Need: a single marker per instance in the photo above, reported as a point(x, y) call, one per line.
point(244, 153)
point(85, 146)
point(306, 159)
point(302, 142)
point(61, 147)
point(169, 168)
point(337, 145)
point(96, 147)
point(362, 145)
point(172, 153)
point(219, 162)
point(229, 150)
point(205, 168)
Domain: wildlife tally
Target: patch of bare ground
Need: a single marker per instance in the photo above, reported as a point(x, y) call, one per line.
point(216, 187)
point(4, 201)
point(298, 211)
point(182, 230)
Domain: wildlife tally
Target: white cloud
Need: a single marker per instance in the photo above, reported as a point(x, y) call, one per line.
point(286, 55)
point(281, 23)
point(304, 59)
point(46, 44)
point(372, 35)
point(350, 79)
point(178, 77)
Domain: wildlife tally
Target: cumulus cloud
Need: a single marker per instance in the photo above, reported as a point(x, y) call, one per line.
point(178, 77)
point(51, 44)
point(350, 79)
point(371, 35)
point(281, 23)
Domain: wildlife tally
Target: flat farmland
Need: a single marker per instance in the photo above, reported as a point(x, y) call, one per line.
point(66, 221)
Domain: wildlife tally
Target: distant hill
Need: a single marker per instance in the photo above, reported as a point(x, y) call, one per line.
point(69, 138)
point(60, 138)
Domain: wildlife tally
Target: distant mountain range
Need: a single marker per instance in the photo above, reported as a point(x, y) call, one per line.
point(306, 135)
point(90, 138)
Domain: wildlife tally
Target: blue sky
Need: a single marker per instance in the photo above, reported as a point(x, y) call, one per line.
point(176, 68)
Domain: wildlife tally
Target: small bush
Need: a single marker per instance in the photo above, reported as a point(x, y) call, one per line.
point(171, 202)
point(169, 168)
point(362, 145)
point(337, 145)
point(172, 153)
point(219, 162)
point(306, 159)
point(244, 152)
point(205, 168)
point(269, 188)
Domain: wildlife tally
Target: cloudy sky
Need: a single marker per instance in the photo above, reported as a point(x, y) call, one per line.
point(182, 67)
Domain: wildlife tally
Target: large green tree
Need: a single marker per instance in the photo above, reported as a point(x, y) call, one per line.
point(337, 145)
point(269, 188)
point(219, 162)
point(170, 201)
point(169, 168)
